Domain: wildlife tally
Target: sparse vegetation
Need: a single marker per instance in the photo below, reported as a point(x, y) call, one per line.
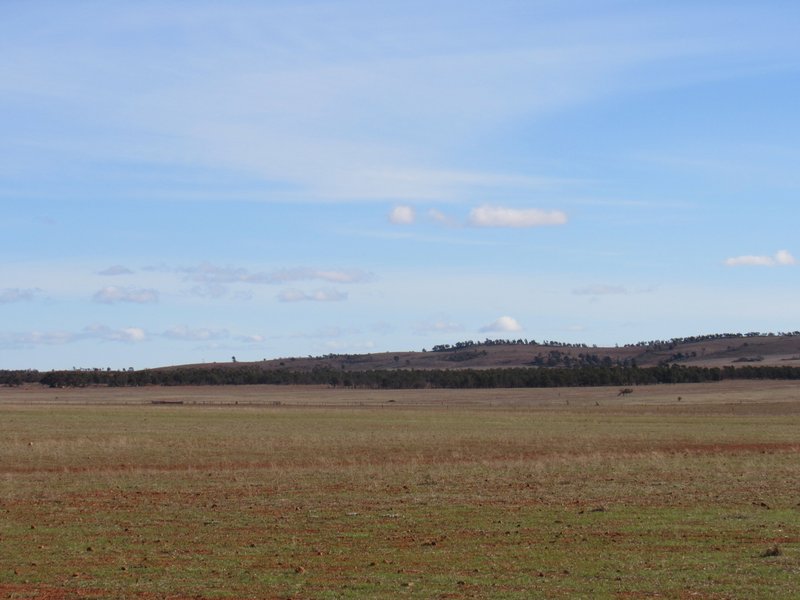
point(449, 493)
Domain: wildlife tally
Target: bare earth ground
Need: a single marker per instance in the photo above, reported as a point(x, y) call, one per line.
point(274, 492)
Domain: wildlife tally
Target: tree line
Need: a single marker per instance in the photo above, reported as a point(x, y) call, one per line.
point(651, 344)
point(510, 377)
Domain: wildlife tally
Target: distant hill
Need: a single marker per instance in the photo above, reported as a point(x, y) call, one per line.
point(716, 350)
point(470, 364)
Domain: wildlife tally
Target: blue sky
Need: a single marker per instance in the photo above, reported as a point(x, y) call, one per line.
point(186, 182)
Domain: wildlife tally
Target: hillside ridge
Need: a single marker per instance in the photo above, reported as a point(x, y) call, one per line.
point(715, 350)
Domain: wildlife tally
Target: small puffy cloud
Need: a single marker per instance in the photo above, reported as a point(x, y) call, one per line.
point(315, 296)
point(115, 270)
point(504, 324)
point(184, 333)
point(9, 295)
point(132, 334)
point(498, 216)
point(127, 334)
point(781, 258)
point(113, 294)
point(402, 215)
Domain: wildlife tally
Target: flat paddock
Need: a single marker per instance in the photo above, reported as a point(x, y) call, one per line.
point(272, 492)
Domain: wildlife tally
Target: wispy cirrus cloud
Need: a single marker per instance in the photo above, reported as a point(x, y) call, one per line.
point(202, 334)
point(113, 294)
point(499, 216)
point(782, 258)
point(9, 295)
point(35, 338)
point(56, 338)
point(600, 290)
point(431, 80)
point(103, 332)
point(209, 274)
point(315, 296)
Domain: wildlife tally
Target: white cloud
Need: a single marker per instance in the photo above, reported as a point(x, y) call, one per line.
point(750, 261)
point(91, 332)
point(251, 338)
point(35, 338)
point(781, 258)
point(115, 270)
point(113, 294)
point(132, 334)
point(498, 216)
point(184, 333)
point(315, 296)
point(10, 295)
point(402, 215)
point(103, 332)
point(504, 324)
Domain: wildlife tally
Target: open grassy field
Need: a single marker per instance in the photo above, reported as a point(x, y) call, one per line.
point(261, 492)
